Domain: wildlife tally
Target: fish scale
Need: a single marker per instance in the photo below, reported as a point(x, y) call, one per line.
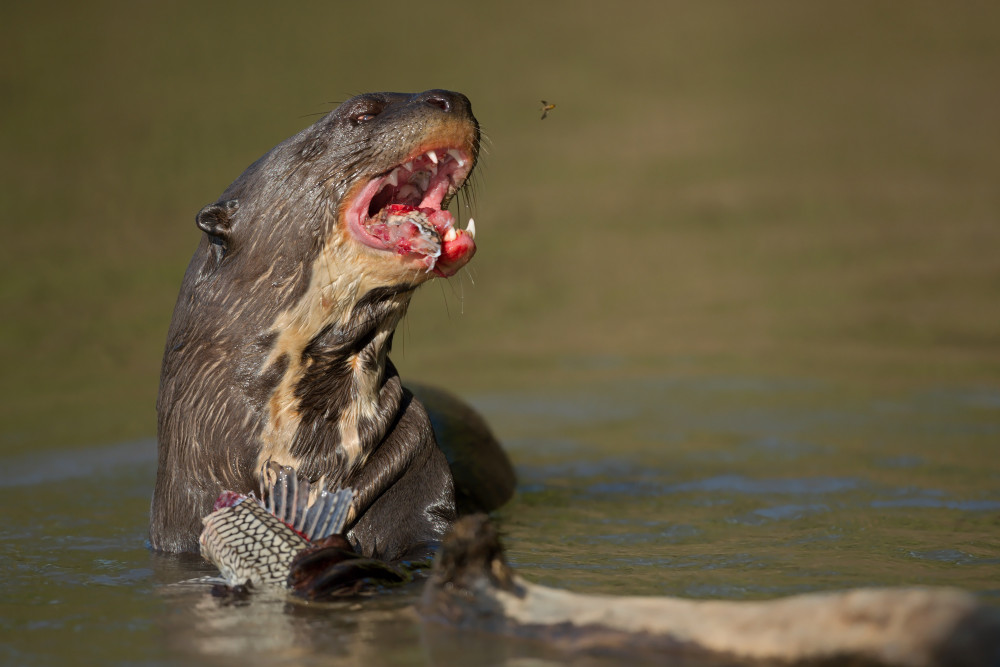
point(249, 544)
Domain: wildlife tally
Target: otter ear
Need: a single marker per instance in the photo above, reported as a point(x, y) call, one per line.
point(216, 220)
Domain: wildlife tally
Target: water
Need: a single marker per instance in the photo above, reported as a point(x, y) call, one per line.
point(702, 487)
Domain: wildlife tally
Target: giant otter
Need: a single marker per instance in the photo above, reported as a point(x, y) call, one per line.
point(277, 351)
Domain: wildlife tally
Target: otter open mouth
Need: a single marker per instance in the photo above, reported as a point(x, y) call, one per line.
point(404, 211)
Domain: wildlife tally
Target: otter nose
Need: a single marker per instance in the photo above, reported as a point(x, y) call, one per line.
point(439, 101)
point(445, 100)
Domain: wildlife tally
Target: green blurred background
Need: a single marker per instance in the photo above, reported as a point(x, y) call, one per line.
point(764, 188)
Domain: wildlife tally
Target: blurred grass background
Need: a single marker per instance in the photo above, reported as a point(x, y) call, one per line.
point(768, 188)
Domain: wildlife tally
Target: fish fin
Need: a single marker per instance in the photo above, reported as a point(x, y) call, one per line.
point(285, 494)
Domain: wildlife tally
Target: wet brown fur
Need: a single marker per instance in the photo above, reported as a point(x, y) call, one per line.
point(278, 347)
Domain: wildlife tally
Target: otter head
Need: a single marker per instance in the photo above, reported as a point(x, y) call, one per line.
point(366, 189)
point(278, 346)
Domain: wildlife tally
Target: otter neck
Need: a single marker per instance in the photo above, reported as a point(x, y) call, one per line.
point(343, 393)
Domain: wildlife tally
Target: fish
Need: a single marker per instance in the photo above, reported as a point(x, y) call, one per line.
point(285, 541)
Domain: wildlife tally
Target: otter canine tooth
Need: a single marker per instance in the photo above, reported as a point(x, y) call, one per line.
point(457, 157)
point(451, 234)
point(470, 229)
point(433, 156)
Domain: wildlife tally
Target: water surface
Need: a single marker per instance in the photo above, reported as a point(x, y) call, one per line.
point(711, 487)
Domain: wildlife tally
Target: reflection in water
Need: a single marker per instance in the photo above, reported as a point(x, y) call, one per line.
point(722, 488)
point(267, 628)
point(211, 627)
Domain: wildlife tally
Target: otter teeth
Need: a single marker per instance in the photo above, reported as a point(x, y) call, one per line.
point(406, 186)
point(451, 234)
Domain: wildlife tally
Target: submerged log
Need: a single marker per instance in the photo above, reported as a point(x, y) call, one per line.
point(473, 587)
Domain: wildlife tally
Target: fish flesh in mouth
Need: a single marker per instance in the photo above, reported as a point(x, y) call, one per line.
point(286, 541)
point(405, 211)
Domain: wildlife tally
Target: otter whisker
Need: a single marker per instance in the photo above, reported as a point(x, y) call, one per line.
point(444, 297)
point(467, 272)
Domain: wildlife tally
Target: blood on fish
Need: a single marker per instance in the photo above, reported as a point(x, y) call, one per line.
point(228, 499)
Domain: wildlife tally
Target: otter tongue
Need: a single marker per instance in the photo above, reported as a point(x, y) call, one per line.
point(409, 229)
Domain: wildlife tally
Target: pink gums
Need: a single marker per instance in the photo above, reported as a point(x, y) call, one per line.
point(455, 254)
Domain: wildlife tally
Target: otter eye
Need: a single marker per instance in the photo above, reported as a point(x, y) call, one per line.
point(364, 110)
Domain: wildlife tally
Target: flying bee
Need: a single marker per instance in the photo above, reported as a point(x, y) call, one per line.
point(546, 108)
